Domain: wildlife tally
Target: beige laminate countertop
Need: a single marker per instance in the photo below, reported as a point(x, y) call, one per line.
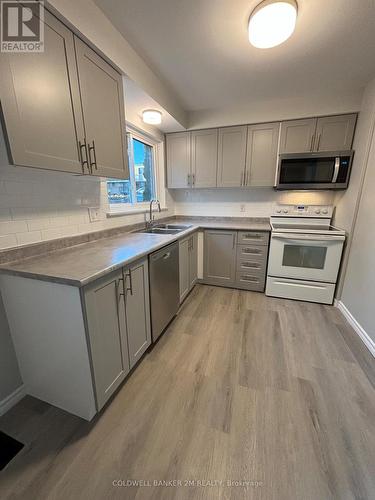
point(81, 264)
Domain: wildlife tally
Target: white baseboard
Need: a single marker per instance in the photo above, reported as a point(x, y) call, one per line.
point(361, 332)
point(7, 403)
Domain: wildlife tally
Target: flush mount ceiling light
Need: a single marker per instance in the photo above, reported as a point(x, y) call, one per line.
point(272, 22)
point(151, 116)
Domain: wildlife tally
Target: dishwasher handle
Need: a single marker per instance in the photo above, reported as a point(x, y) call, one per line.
point(165, 253)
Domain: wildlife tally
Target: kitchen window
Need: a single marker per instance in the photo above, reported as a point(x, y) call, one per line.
point(140, 189)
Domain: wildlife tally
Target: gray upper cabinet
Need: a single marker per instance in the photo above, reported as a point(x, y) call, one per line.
point(220, 257)
point(64, 108)
point(105, 316)
point(41, 103)
point(261, 158)
point(297, 136)
point(103, 110)
point(178, 160)
point(137, 300)
point(335, 133)
point(204, 158)
point(231, 156)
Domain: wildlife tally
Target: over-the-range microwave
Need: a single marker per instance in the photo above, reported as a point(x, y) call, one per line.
point(328, 170)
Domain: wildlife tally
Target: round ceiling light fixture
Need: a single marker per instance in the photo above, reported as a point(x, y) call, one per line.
point(272, 22)
point(151, 116)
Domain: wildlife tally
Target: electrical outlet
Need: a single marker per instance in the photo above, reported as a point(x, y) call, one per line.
point(243, 208)
point(94, 214)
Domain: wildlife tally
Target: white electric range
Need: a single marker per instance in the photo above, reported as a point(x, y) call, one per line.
point(305, 253)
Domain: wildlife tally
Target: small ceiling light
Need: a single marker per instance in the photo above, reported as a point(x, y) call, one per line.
point(272, 22)
point(151, 116)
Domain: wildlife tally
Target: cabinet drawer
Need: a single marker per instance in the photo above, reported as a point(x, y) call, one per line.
point(250, 265)
point(253, 237)
point(251, 280)
point(252, 252)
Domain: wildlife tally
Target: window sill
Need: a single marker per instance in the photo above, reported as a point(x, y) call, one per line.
point(122, 213)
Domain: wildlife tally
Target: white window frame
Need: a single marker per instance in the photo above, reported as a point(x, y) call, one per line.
point(158, 179)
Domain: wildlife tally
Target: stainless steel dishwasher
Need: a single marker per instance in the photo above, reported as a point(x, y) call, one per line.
point(164, 287)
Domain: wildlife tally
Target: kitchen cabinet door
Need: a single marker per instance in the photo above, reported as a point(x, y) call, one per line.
point(193, 260)
point(104, 113)
point(297, 136)
point(105, 316)
point(184, 263)
point(41, 104)
point(231, 156)
point(137, 300)
point(204, 158)
point(335, 133)
point(261, 158)
point(178, 160)
point(220, 257)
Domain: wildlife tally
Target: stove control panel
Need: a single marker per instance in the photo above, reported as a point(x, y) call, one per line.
point(317, 211)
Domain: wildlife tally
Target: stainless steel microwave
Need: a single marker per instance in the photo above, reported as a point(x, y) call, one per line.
point(314, 170)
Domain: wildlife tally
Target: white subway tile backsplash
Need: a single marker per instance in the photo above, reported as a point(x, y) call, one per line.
point(12, 227)
point(8, 241)
point(29, 237)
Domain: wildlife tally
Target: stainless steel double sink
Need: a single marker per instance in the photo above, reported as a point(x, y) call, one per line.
point(165, 229)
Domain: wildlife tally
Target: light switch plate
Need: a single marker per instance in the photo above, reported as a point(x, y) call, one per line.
point(94, 214)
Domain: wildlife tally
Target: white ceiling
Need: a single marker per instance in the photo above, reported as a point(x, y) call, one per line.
point(201, 49)
point(137, 100)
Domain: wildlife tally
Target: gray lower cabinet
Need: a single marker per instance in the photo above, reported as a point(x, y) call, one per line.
point(236, 259)
point(117, 313)
point(188, 262)
point(137, 310)
point(106, 325)
point(220, 257)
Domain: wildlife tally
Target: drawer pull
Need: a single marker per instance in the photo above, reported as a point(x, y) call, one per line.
point(252, 265)
point(251, 250)
point(253, 236)
point(253, 279)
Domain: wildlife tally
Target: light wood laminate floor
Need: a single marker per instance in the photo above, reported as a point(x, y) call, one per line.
point(274, 395)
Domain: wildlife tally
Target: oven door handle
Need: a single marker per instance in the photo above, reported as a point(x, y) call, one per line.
point(308, 237)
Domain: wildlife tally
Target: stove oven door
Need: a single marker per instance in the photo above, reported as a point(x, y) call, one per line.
point(305, 256)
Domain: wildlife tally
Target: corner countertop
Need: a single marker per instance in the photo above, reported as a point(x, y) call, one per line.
point(81, 264)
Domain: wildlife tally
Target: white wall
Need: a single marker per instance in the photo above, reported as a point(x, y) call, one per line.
point(358, 294)
point(277, 109)
point(253, 202)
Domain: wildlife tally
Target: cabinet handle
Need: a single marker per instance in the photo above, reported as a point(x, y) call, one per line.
point(312, 142)
point(130, 289)
point(83, 149)
point(193, 182)
point(253, 279)
point(92, 163)
point(317, 146)
point(188, 180)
